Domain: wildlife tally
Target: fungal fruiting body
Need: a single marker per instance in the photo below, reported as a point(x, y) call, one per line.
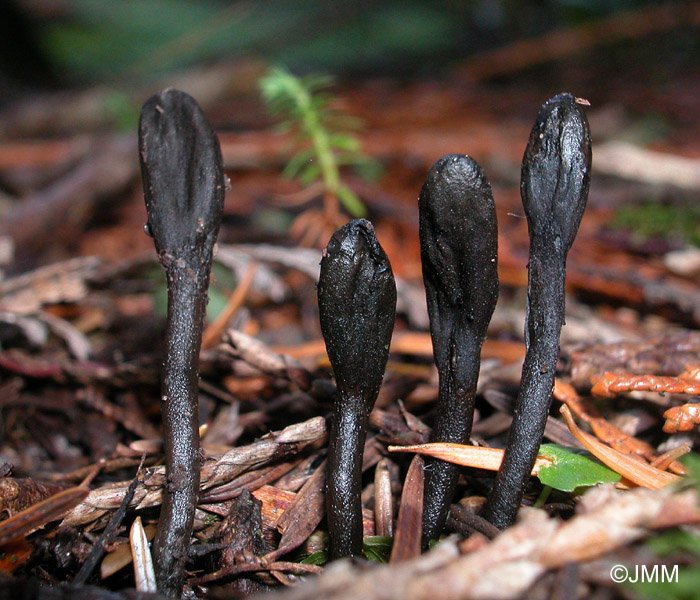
point(183, 184)
point(554, 189)
point(357, 305)
point(459, 247)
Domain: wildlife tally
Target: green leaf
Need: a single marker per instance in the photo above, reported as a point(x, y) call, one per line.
point(298, 162)
point(573, 469)
point(377, 548)
point(216, 305)
point(317, 558)
point(310, 173)
point(351, 202)
point(343, 141)
point(159, 291)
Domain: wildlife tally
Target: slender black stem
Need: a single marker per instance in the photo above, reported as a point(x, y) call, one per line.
point(357, 305)
point(180, 400)
point(554, 189)
point(343, 485)
point(534, 399)
point(184, 191)
point(459, 245)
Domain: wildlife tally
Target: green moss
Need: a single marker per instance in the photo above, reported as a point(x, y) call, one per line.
point(659, 219)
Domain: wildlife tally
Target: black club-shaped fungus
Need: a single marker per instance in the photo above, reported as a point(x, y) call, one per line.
point(554, 189)
point(357, 305)
point(459, 247)
point(183, 184)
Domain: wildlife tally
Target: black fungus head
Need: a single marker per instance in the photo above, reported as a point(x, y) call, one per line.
point(357, 305)
point(459, 247)
point(556, 170)
point(183, 176)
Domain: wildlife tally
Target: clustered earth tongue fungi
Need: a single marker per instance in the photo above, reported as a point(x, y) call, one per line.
point(357, 305)
point(459, 246)
point(183, 182)
point(184, 190)
point(554, 189)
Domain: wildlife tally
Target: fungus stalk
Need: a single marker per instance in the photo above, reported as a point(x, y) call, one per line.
point(183, 184)
point(357, 305)
point(554, 189)
point(459, 247)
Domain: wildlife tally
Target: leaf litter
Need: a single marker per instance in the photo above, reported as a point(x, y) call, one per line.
point(80, 365)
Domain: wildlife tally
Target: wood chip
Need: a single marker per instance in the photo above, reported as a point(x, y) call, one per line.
point(407, 541)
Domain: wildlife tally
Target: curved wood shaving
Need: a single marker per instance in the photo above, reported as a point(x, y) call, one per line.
point(636, 471)
point(467, 456)
point(144, 576)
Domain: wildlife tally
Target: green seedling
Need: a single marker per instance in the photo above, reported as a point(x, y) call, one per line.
point(323, 141)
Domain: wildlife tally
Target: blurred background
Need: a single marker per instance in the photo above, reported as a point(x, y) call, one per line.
point(421, 79)
point(392, 85)
point(64, 43)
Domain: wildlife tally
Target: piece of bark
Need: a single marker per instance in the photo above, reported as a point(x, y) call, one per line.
point(408, 537)
point(241, 531)
point(383, 500)
point(52, 508)
point(304, 514)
